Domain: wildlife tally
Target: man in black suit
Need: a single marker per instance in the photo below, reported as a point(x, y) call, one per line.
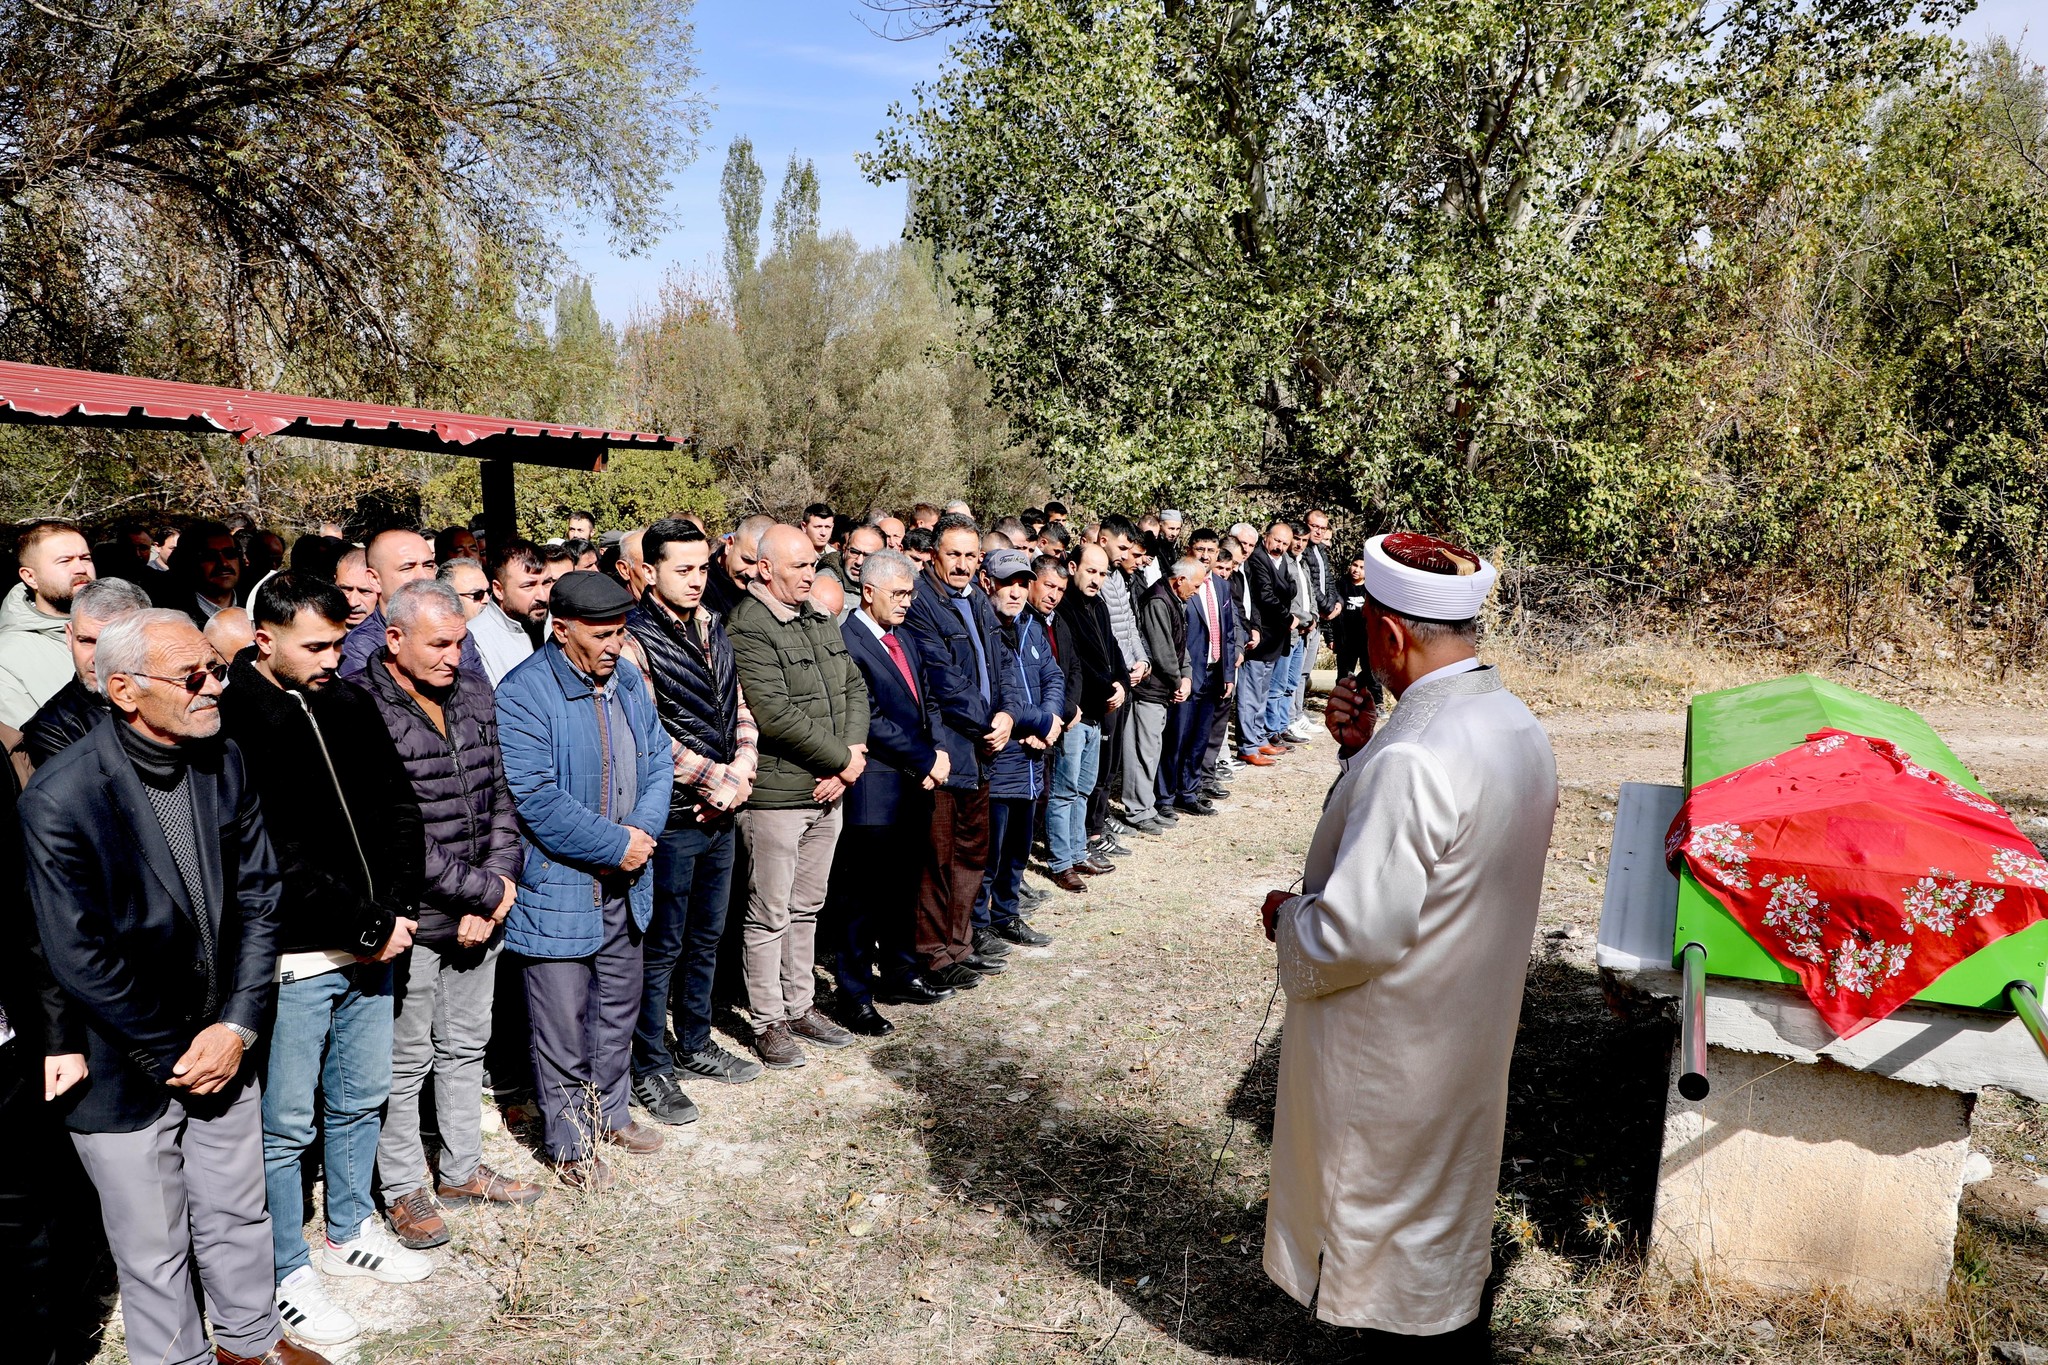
point(1270, 585)
point(156, 896)
point(889, 809)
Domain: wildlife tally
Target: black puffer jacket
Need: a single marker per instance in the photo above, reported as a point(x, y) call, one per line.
point(472, 827)
point(348, 874)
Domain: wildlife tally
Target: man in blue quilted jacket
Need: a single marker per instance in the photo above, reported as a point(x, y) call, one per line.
point(590, 769)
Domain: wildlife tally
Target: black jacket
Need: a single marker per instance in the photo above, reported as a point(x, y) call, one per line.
point(1087, 648)
point(349, 869)
point(44, 1023)
point(62, 721)
point(472, 827)
point(696, 691)
point(121, 932)
point(1163, 621)
point(1272, 594)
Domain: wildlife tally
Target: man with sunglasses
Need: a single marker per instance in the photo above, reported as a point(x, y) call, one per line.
point(350, 845)
point(156, 896)
point(466, 579)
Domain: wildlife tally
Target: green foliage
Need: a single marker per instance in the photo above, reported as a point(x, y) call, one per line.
point(739, 198)
point(1682, 290)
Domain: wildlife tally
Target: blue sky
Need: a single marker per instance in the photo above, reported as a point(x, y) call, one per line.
point(810, 76)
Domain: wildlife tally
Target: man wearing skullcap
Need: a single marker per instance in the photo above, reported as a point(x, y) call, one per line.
point(1403, 960)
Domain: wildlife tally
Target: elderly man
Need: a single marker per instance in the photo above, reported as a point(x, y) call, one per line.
point(591, 769)
point(1163, 617)
point(79, 704)
point(358, 585)
point(441, 721)
point(1269, 575)
point(892, 529)
point(170, 956)
point(1035, 692)
point(349, 846)
point(1185, 772)
point(682, 647)
point(1425, 869)
point(396, 557)
point(504, 630)
point(35, 660)
point(811, 708)
point(888, 811)
point(954, 629)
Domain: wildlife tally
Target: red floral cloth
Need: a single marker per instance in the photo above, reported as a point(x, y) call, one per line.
point(1860, 870)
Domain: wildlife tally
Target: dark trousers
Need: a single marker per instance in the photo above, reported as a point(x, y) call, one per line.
point(1471, 1344)
point(692, 886)
point(955, 858)
point(52, 1243)
point(875, 874)
point(1009, 849)
point(1187, 740)
point(583, 1011)
point(1109, 773)
point(1219, 735)
point(508, 1057)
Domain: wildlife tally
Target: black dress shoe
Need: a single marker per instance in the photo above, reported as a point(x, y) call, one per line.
point(914, 990)
point(986, 966)
point(986, 944)
point(959, 976)
point(1197, 807)
point(1095, 867)
point(866, 1021)
point(1017, 931)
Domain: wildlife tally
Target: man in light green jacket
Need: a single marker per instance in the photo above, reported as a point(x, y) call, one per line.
point(35, 657)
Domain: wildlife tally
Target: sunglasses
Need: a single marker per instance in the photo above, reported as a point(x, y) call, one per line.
point(479, 595)
point(195, 681)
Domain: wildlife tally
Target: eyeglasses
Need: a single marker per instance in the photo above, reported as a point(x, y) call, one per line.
point(477, 596)
point(195, 681)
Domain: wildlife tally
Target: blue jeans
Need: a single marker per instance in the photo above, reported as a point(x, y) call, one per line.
point(333, 1036)
point(692, 885)
point(1073, 778)
point(1280, 692)
point(1009, 848)
point(1254, 679)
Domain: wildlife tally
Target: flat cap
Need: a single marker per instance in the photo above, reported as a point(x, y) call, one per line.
point(587, 595)
point(1004, 565)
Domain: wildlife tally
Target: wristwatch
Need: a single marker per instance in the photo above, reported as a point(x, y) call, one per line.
point(247, 1035)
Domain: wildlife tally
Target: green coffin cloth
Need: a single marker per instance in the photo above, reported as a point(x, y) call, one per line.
point(1744, 725)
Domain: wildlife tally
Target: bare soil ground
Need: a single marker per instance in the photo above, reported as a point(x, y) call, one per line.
point(1070, 1163)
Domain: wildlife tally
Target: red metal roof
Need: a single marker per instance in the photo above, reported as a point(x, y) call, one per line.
point(45, 395)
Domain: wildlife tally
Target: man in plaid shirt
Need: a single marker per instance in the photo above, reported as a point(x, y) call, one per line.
point(681, 646)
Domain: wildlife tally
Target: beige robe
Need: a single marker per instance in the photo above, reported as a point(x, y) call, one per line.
point(1403, 963)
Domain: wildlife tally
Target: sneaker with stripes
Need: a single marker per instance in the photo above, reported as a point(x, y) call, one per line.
point(309, 1315)
point(374, 1252)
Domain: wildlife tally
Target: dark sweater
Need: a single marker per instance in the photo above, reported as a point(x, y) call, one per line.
point(1095, 666)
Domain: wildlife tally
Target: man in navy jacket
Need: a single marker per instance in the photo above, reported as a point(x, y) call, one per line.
point(1037, 685)
point(882, 849)
point(954, 630)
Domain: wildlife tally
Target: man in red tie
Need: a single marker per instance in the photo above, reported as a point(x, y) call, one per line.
point(888, 810)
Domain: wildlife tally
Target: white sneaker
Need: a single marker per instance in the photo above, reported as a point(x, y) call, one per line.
point(309, 1315)
point(1299, 733)
point(374, 1252)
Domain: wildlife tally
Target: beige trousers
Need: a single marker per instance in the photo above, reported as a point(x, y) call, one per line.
point(791, 854)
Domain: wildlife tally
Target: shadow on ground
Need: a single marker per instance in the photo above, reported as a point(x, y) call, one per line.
point(1140, 1204)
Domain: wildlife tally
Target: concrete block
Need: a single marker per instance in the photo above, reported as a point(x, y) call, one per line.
point(1797, 1176)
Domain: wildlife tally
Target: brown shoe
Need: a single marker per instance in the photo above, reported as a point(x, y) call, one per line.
point(585, 1176)
point(635, 1137)
point(284, 1353)
point(488, 1187)
point(777, 1047)
point(814, 1027)
point(416, 1223)
point(1255, 759)
point(1274, 750)
point(1069, 879)
point(1095, 867)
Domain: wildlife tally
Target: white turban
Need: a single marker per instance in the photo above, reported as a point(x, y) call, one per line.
point(1426, 578)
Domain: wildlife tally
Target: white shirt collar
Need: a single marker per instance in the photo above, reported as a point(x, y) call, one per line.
point(1447, 671)
point(860, 614)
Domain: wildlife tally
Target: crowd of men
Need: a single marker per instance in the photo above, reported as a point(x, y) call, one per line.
point(492, 805)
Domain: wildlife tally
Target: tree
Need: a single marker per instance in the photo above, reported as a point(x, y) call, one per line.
point(739, 197)
point(796, 207)
point(350, 197)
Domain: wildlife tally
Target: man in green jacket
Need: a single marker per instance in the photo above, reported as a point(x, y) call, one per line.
point(811, 708)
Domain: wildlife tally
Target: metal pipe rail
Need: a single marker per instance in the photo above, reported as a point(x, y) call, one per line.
point(1692, 1023)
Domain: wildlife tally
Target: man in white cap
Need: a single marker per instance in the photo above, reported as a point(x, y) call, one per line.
point(1403, 960)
